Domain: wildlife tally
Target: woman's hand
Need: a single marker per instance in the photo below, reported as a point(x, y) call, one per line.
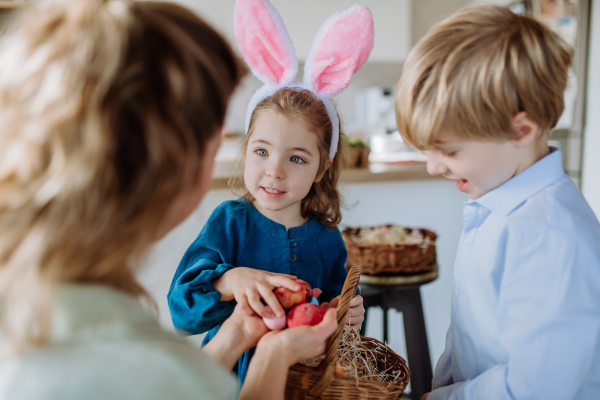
point(239, 332)
point(278, 350)
point(302, 342)
point(248, 285)
point(356, 313)
point(249, 325)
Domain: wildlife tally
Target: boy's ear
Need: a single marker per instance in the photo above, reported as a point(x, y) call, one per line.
point(325, 168)
point(526, 129)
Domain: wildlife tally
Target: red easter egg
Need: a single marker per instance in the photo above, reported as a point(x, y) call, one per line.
point(305, 314)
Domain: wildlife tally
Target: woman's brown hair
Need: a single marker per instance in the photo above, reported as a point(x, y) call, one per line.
point(106, 107)
point(323, 201)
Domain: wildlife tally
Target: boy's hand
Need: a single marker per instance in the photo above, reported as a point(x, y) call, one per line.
point(356, 312)
point(248, 285)
point(425, 396)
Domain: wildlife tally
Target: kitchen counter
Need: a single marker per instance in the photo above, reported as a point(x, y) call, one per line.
point(224, 168)
point(377, 172)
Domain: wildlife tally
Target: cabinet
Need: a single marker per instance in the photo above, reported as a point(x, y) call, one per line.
point(6, 8)
point(304, 18)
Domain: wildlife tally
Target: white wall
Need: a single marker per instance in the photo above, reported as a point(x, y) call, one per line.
point(436, 205)
point(590, 182)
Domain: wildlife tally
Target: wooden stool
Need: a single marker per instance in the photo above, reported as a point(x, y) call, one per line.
point(402, 293)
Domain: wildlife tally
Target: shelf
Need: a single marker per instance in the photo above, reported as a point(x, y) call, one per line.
point(10, 5)
point(377, 172)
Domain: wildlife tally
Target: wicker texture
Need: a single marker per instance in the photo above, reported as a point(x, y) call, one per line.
point(386, 259)
point(323, 383)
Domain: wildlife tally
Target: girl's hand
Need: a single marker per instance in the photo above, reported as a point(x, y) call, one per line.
point(300, 343)
point(356, 313)
point(248, 285)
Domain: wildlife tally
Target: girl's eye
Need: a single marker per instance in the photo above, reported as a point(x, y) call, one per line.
point(261, 152)
point(297, 160)
point(450, 154)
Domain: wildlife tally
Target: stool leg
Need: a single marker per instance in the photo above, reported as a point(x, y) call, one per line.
point(385, 307)
point(370, 299)
point(416, 342)
point(363, 328)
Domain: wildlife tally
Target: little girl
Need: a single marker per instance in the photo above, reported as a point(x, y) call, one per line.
point(285, 224)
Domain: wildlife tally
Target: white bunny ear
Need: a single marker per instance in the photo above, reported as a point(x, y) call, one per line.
point(264, 42)
point(341, 47)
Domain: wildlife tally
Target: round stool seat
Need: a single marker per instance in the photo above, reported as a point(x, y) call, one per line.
point(412, 279)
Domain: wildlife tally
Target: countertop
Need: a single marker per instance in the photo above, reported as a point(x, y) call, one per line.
point(377, 172)
point(224, 168)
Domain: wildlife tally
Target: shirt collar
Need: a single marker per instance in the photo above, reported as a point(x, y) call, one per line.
point(267, 224)
point(514, 192)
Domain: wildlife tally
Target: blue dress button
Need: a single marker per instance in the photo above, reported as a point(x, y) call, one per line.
point(293, 258)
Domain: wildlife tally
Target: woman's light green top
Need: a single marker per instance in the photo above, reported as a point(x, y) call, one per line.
point(104, 345)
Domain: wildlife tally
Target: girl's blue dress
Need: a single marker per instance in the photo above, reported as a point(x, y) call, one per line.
point(238, 235)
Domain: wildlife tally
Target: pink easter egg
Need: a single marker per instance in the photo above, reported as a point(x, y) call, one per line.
point(275, 324)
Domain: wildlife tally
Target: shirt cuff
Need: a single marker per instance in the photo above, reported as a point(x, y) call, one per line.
point(437, 394)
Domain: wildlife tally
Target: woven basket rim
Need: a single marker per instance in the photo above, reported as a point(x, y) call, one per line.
point(345, 233)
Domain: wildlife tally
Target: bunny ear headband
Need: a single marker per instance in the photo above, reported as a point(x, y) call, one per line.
point(340, 48)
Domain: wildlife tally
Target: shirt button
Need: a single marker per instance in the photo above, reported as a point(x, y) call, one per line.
point(293, 258)
point(467, 240)
point(293, 244)
point(456, 293)
point(450, 341)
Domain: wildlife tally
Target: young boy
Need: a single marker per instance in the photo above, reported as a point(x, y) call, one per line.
point(481, 93)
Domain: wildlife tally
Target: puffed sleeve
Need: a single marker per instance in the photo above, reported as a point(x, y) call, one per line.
point(195, 305)
point(333, 254)
point(548, 310)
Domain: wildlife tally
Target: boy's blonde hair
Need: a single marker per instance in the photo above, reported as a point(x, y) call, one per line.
point(106, 107)
point(323, 201)
point(473, 72)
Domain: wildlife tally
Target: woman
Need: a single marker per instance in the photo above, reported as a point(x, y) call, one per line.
point(110, 118)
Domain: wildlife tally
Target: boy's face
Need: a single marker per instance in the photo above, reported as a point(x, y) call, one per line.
point(477, 166)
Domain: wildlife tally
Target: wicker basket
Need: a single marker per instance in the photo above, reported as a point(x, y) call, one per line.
point(387, 259)
point(323, 383)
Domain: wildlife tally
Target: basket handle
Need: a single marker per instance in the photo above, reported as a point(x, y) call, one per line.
point(331, 355)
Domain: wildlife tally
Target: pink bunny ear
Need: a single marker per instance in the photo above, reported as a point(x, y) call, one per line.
point(341, 47)
point(264, 42)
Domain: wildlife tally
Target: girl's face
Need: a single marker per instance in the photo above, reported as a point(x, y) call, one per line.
point(282, 162)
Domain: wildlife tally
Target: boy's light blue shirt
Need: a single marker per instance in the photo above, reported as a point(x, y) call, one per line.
point(525, 320)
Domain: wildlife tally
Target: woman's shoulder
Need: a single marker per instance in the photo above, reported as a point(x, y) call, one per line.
point(128, 369)
point(104, 343)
